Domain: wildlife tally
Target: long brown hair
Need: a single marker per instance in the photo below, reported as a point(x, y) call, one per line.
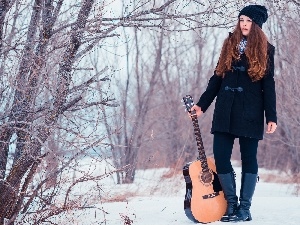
point(256, 52)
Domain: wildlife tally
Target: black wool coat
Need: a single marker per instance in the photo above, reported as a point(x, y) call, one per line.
point(241, 103)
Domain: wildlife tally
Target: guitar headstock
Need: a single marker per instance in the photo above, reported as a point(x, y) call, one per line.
point(188, 102)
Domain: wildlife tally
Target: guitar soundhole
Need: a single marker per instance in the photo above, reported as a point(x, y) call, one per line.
point(206, 178)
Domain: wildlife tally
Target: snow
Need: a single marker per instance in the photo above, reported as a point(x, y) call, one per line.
point(169, 210)
point(156, 198)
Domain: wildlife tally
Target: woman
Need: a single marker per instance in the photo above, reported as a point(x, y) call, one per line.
point(244, 85)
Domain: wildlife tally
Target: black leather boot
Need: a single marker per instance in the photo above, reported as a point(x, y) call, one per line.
point(247, 190)
point(227, 182)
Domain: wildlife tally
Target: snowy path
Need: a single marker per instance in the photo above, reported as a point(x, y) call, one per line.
point(273, 204)
point(169, 211)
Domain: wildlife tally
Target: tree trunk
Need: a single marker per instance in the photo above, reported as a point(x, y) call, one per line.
point(32, 146)
point(3, 11)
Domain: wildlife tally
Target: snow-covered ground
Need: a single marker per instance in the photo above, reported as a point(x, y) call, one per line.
point(156, 198)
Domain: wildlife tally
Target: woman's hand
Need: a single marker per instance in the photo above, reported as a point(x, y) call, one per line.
point(271, 127)
point(197, 109)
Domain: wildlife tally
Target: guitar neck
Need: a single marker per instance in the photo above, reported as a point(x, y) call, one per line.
point(201, 152)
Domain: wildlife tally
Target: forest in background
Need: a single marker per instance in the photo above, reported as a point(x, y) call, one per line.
point(104, 80)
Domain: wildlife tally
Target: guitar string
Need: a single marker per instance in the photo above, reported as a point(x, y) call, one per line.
point(202, 156)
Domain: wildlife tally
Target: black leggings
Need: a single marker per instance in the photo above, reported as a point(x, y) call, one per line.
point(222, 147)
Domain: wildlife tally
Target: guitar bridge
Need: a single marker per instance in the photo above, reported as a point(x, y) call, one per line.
point(210, 195)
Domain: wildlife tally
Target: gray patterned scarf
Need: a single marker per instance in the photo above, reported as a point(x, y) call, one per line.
point(242, 45)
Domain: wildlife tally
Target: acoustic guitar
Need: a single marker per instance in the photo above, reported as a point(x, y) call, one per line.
point(204, 199)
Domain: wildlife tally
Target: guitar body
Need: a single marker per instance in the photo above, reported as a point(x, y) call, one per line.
point(204, 199)
point(208, 203)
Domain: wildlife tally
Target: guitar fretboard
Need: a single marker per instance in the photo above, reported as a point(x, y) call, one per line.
point(201, 152)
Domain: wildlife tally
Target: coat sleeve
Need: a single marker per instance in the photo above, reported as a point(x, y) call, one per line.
point(269, 88)
point(210, 93)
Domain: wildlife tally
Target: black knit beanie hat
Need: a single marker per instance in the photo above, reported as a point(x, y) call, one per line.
point(256, 13)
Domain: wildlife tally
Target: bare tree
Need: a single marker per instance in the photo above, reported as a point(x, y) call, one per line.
point(47, 86)
point(58, 107)
point(284, 147)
